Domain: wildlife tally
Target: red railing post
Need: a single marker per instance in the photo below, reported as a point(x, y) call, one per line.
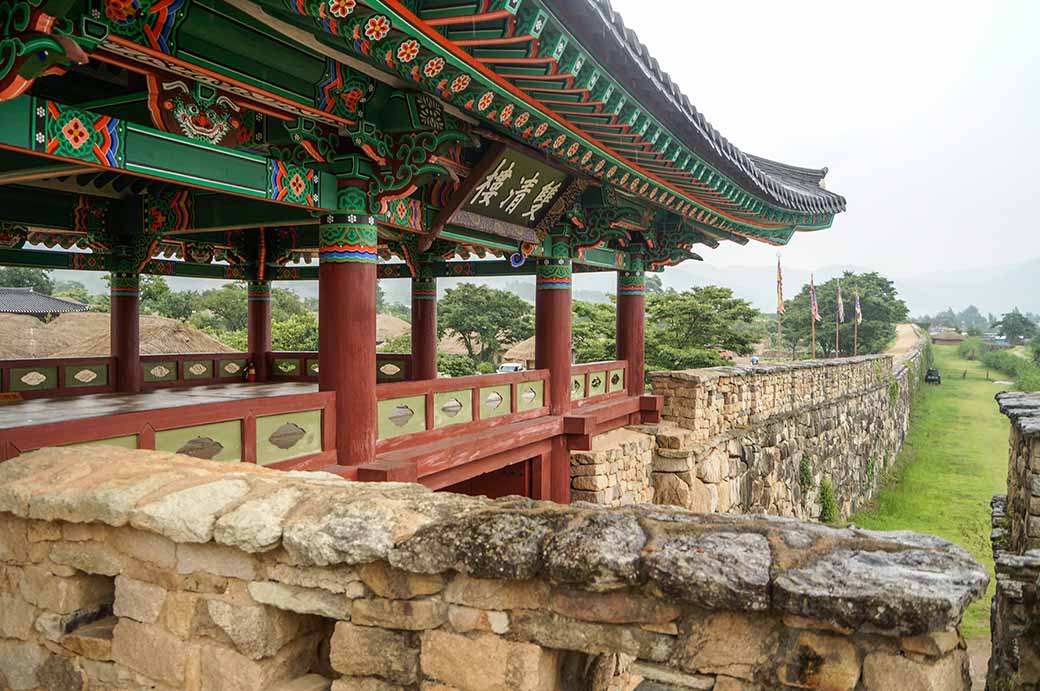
point(631, 324)
point(125, 330)
point(424, 328)
point(259, 327)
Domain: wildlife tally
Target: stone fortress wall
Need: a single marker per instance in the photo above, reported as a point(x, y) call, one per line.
point(126, 569)
point(1015, 615)
point(767, 439)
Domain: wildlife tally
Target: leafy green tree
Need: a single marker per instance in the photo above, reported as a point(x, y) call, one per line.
point(484, 319)
point(227, 304)
point(298, 332)
point(592, 328)
point(1034, 346)
point(653, 284)
point(22, 277)
point(687, 330)
point(397, 344)
point(455, 365)
point(879, 300)
point(1016, 327)
point(71, 290)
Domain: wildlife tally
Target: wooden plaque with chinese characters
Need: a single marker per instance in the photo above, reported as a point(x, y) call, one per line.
point(511, 197)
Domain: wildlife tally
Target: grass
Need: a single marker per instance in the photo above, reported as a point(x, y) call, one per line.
point(952, 463)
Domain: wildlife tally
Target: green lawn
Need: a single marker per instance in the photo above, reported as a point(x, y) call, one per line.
point(953, 461)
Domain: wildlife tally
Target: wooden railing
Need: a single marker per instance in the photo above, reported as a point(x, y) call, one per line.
point(598, 381)
point(296, 431)
point(303, 366)
point(192, 369)
point(56, 376)
point(415, 412)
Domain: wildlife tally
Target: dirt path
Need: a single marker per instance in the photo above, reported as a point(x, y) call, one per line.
point(907, 336)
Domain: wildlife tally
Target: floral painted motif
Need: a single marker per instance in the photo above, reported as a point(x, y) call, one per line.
point(460, 83)
point(408, 50)
point(572, 149)
point(485, 101)
point(341, 8)
point(433, 67)
point(599, 165)
point(586, 158)
point(122, 11)
point(522, 119)
point(377, 27)
point(612, 171)
point(506, 113)
point(541, 129)
point(558, 142)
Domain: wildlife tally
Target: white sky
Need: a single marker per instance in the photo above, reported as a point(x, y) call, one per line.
point(927, 114)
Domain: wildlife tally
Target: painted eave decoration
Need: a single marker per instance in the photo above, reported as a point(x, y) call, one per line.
point(528, 68)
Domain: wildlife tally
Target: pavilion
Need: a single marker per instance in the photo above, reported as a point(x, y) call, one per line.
point(419, 139)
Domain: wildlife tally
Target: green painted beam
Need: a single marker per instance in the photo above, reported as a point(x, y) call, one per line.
point(47, 129)
point(43, 259)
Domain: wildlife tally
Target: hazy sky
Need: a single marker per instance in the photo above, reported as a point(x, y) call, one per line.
point(926, 113)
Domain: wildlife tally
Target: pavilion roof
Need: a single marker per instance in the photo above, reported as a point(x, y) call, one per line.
point(28, 301)
point(630, 61)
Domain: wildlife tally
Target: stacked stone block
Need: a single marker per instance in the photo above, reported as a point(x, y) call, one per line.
point(616, 471)
point(1015, 616)
point(764, 439)
point(144, 570)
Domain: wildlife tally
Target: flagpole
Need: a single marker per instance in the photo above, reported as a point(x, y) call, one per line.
point(855, 336)
point(813, 336)
point(837, 330)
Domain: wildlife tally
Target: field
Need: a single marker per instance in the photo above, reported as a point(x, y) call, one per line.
point(954, 460)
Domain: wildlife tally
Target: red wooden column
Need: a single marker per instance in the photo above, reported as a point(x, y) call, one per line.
point(631, 326)
point(424, 328)
point(125, 331)
point(552, 351)
point(347, 330)
point(258, 326)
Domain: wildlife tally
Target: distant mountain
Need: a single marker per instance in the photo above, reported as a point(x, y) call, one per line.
point(993, 289)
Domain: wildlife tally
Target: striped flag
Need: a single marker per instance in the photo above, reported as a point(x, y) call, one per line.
point(779, 288)
point(841, 306)
point(812, 299)
point(859, 312)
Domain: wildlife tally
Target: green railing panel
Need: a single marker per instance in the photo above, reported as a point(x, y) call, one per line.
point(78, 376)
point(218, 441)
point(126, 442)
point(287, 436)
point(617, 379)
point(34, 378)
point(160, 371)
point(495, 401)
point(198, 369)
point(312, 367)
point(286, 367)
point(399, 416)
point(530, 395)
point(391, 370)
point(577, 387)
point(452, 408)
point(597, 383)
point(231, 368)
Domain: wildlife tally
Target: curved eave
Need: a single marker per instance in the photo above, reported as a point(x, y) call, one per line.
point(615, 45)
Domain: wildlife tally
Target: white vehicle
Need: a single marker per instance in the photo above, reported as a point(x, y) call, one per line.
point(507, 367)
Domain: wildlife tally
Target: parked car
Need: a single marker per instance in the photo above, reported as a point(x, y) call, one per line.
point(932, 376)
point(508, 367)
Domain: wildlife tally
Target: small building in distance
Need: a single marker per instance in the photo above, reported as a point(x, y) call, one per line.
point(43, 307)
point(947, 337)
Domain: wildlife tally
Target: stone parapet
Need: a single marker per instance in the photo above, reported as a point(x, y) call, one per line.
point(128, 569)
point(616, 471)
point(1015, 661)
point(782, 439)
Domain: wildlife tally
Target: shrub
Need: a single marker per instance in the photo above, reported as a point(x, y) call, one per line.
point(828, 506)
point(805, 474)
point(893, 391)
point(485, 368)
point(455, 365)
point(1025, 373)
point(971, 348)
point(871, 469)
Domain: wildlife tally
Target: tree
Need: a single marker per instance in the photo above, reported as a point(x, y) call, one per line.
point(71, 290)
point(298, 332)
point(882, 310)
point(455, 365)
point(484, 319)
point(22, 277)
point(592, 329)
point(1034, 346)
point(653, 284)
point(687, 330)
point(1016, 327)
